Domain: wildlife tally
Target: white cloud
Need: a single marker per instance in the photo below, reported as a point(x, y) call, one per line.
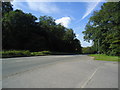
point(77, 36)
point(44, 7)
point(17, 5)
point(65, 21)
point(90, 7)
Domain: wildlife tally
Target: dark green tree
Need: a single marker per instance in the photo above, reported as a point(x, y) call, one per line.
point(20, 31)
point(6, 7)
point(104, 29)
point(16, 30)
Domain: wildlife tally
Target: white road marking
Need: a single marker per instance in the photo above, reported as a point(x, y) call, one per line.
point(89, 78)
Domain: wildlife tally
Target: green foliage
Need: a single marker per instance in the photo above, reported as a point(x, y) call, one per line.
point(22, 53)
point(6, 7)
point(16, 30)
point(88, 50)
point(42, 53)
point(104, 57)
point(37, 54)
point(14, 53)
point(46, 52)
point(22, 32)
point(104, 29)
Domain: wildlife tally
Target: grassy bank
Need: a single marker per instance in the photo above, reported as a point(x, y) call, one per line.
point(27, 53)
point(104, 57)
point(22, 53)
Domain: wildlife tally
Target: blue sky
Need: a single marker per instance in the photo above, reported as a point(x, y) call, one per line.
point(73, 15)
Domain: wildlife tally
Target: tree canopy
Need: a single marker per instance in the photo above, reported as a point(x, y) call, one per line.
point(6, 7)
point(103, 29)
point(20, 31)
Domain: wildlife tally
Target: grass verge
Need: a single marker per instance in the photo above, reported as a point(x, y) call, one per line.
point(27, 53)
point(104, 57)
point(22, 53)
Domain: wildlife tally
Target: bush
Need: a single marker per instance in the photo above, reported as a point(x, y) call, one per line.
point(40, 53)
point(46, 52)
point(14, 53)
point(36, 53)
point(22, 53)
point(88, 50)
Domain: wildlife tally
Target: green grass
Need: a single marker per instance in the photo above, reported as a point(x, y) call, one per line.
point(41, 53)
point(15, 53)
point(26, 53)
point(104, 57)
point(22, 53)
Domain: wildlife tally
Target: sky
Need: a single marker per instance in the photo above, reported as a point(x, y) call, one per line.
point(74, 15)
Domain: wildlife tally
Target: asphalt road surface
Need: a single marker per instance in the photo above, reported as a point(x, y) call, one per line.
point(61, 71)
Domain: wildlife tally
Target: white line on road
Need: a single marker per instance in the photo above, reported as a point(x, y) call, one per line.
point(89, 78)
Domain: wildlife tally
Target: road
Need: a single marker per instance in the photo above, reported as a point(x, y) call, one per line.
point(61, 71)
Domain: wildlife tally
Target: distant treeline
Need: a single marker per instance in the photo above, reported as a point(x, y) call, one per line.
point(20, 31)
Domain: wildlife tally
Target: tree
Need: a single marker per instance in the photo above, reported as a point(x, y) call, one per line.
point(16, 31)
point(104, 28)
point(88, 50)
point(6, 7)
point(22, 32)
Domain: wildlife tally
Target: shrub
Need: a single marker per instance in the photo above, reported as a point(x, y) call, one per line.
point(46, 52)
point(88, 50)
point(15, 53)
point(40, 53)
point(36, 53)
